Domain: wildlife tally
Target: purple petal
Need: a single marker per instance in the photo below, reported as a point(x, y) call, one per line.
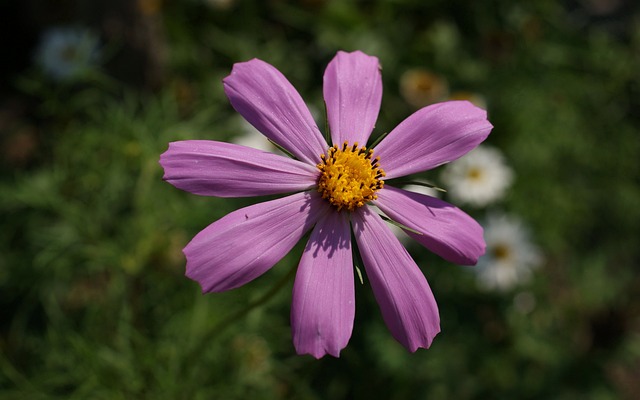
point(352, 92)
point(269, 102)
point(323, 305)
point(446, 230)
point(245, 243)
point(221, 169)
point(402, 291)
point(432, 136)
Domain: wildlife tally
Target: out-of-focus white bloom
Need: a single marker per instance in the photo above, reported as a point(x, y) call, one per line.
point(251, 137)
point(476, 98)
point(317, 114)
point(66, 52)
point(479, 178)
point(422, 190)
point(421, 87)
point(510, 255)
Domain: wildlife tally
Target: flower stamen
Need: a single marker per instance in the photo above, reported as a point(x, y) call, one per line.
point(349, 176)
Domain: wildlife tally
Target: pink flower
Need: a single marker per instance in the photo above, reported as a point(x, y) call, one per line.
point(331, 187)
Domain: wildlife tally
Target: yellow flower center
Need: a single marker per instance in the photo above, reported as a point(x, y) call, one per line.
point(474, 174)
point(502, 252)
point(349, 177)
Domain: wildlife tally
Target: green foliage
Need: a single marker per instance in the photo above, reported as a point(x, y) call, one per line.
point(93, 298)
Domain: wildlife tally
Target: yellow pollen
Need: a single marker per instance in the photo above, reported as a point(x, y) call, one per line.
point(349, 177)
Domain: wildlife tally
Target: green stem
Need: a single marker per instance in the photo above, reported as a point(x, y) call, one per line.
point(219, 327)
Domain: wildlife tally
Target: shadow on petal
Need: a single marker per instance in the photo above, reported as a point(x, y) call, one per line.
point(329, 237)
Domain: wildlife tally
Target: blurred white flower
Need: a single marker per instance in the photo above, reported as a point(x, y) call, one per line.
point(251, 137)
point(65, 52)
point(420, 87)
point(476, 99)
point(422, 190)
point(510, 255)
point(479, 178)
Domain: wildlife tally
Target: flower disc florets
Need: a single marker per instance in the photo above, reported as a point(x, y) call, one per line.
point(349, 177)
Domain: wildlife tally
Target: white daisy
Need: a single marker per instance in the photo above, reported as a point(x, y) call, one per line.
point(476, 98)
point(479, 178)
point(423, 190)
point(251, 137)
point(420, 87)
point(66, 52)
point(510, 255)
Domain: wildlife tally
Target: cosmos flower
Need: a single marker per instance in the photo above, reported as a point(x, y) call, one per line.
point(66, 53)
point(479, 178)
point(332, 186)
point(510, 255)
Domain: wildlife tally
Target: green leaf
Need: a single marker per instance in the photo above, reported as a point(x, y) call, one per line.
point(399, 225)
point(282, 149)
point(327, 129)
point(359, 274)
point(421, 183)
point(378, 140)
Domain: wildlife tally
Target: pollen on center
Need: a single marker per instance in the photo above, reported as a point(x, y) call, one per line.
point(349, 176)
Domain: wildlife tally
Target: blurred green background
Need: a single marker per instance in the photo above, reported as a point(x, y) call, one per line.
point(93, 301)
